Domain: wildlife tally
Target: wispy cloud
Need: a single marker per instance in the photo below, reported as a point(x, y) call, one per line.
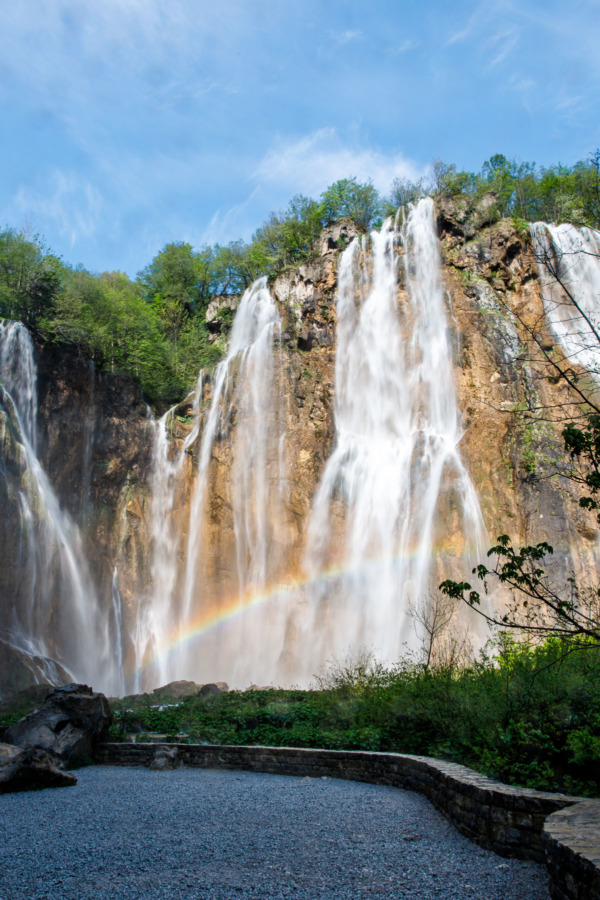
point(404, 47)
point(229, 225)
point(469, 26)
point(313, 162)
point(501, 45)
point(345, 37)
point(71, 205)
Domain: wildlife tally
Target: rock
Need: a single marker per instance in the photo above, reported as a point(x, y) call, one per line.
point(211, 690)
point(20, 671)
point(220, 309)
point(26, 700)
point(31, 768)
point(165, 758)
point(464, 217)
point(337, 236)
point(70, 723)
point(175, 690)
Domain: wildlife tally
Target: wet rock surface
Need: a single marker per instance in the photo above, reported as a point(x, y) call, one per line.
point(70, 723)
point(217, 835)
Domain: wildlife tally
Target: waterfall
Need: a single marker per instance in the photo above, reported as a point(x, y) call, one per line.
point(569, 268)
point(55, 615)
point(395, 497)
point(158, 613)
point(243, 407)
point(117, 641)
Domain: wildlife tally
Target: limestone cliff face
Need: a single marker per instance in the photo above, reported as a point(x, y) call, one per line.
point(511, 403)
point(96, 435)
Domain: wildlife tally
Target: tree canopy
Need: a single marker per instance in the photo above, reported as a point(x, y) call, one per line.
point(153, 329)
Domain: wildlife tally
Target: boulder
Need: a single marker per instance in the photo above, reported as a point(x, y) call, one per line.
point(70, 723)
point(31, 768)
point(165, 758)
point(211, 690)
point(176, 690)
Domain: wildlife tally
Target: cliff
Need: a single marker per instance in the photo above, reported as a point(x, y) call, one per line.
point(102, 451)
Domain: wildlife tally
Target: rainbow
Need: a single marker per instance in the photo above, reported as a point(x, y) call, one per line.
point(239, 604)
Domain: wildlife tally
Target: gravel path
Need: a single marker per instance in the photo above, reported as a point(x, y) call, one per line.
point(215, 835)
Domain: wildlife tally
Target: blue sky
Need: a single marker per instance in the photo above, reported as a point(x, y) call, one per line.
point(125, 124)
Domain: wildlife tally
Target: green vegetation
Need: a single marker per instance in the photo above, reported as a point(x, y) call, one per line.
point(153, 330)
point(527, 715)
point(524, 191)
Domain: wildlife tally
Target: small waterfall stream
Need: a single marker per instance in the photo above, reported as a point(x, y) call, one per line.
point(55, 584)
point(569, 269)
point(395, 480)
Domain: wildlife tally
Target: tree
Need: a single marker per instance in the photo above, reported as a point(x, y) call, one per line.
point(538, 607)
point(348, 198)
point(175, 283)
point(29, 277)
point(439, 649)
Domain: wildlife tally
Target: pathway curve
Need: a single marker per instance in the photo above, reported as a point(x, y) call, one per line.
point(218, 835)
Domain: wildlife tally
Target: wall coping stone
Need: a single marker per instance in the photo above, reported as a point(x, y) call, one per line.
point(572, 841)
point(562, 830)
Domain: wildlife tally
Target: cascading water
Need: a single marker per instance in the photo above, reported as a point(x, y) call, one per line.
point(243, 400)
point(569, 269)
point(243, 406)
point(159, 611)
point(56, 586)
point(394, 497)
point(117, 640)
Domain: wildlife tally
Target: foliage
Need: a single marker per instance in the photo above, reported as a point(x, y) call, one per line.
point(153, 330)
point(29, 276)
point(526, 715)
point(347, 198)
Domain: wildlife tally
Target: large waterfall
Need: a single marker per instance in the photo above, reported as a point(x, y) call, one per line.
point(395, 497)
point(569, 268)
point(184, 602)
point(393, 508)
point(292, 511)
point(53, 621)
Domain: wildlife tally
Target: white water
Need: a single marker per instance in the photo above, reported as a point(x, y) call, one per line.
point(569, 269)
point(243, 400)
point(396, 462)
point(117, 636)
point(244, 408)
point(158, 612)
point(55, 586)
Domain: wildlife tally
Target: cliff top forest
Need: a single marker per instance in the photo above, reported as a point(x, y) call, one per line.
point(153, 330)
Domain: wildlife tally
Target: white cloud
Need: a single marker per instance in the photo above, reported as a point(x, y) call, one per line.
point(227, 226)
point(312, 163)
point(70, 204)
point(407, 45)
point(345, 37)
point(502, 44)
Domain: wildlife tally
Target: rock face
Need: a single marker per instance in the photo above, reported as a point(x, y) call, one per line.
point(69, 724)
point(30, 769)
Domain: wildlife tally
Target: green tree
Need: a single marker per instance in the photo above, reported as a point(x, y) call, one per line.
point(176, 282)
point(348, 198)
point(29, 277)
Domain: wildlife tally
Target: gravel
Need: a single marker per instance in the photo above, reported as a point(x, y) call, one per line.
point(199, 833)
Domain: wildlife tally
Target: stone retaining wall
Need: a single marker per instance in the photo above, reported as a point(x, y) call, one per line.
point(572, 842)
point(496, 816)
